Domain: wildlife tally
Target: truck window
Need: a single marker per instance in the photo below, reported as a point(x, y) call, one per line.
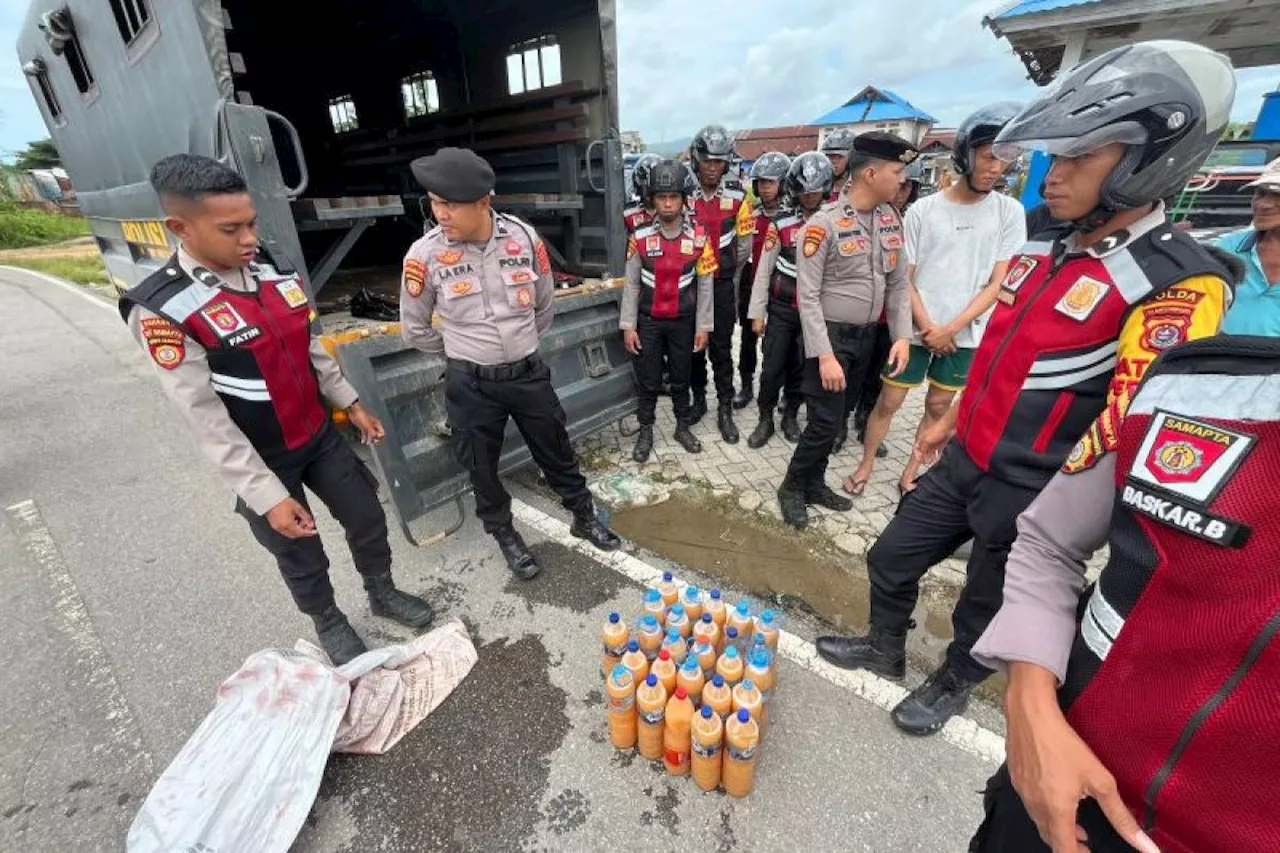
point(420, 93)
point(40, 71)
point(131, 16)
point(533, 64)
point(79, 67)
point(342, 112)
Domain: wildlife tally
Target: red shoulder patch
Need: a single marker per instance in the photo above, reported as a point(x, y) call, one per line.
point(165, 341)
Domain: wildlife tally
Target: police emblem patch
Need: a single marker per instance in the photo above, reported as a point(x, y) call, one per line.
point(686, 246)
point(291, 292)
point(813, 237)
point(544, 260)
point(726, 203)
point(847, 248)
point(165, 341)
point(522, 276)
point(1018, 273)
point(1082, 297)
point(845, 222)
point(223, 318)
point(460, 288)
point(524, 297)
point(771, 239)
point(514, 248)
point(449, 257)
point(415, 273)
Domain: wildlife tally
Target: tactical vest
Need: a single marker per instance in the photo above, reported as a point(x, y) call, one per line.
point(761, 220)
point(635, 218)
point(668, 269)
point(718, 217)
point(1040, 375)
point(782, 284)
point(1174, 676)
point(257, 346)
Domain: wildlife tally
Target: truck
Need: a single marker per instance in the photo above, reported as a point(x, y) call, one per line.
point(321, 107)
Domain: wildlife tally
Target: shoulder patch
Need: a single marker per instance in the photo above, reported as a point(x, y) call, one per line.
point(814, 235)
point(544, 260)
point(415, 273)
point(165, 341)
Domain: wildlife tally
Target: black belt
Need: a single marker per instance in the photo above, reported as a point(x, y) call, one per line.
point(497, 372)
point(849, 331)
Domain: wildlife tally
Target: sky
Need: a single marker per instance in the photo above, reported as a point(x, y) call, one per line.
point(753, 63)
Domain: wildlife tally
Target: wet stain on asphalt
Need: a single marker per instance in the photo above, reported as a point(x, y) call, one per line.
point(664, 814)
point(594, 699)
point(568, 580)
point(471, 775)
point(728, 841)
point(567, 811)
point(79, 786)
point(624, 758)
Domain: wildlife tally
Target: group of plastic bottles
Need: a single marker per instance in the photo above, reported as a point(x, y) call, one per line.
point(691, 685)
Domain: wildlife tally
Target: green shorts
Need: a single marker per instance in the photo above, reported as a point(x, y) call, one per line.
point(948, 372)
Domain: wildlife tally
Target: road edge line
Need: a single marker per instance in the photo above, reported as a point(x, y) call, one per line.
point(100, 301)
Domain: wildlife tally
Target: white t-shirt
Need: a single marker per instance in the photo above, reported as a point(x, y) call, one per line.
point(954, 248)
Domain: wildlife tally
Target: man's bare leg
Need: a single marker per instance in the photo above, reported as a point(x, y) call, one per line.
point(887, 405)
point(936, 403)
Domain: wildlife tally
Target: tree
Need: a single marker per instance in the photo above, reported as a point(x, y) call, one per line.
point(40, 154)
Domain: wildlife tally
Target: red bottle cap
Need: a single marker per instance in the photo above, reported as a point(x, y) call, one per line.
point(664, 655)
point(681, 693)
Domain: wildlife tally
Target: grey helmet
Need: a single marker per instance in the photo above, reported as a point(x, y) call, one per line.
point(668, 176)
point(980, 128)
point(838, 141)
point(771, 166)
point(811, 172)
point(640, 174)
point(1169, 101)
point(914, 171)
point(713, 142)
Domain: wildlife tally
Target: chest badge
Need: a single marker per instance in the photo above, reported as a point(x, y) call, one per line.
point(1082, 298)
point(686, 246)
point(514, 248)
point(652, 246)
point(224, 319)
point(449, 257)
point(726, 203)
point(291, 292)
point(524, 297)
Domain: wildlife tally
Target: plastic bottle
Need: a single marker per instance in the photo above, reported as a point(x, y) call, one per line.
point(677, 619)
point(690, 677)
point(747, 695)
point(715, 606)
point(706, 655)
point(692, 601)
point(635, 660)
point(742, 739)
point(730, 638)
point(758, 644)
point(769, 623)
point(670, 592)
point(654, 606)
point(707, 737)
point(675, 645)
point(760, 669)
point(675, 738)
point(718, 695)
point(621, 687)
point(665, 668)
point(651, 710)
point(730, 666)
point(649, 633)
point(707, 629)
point(740, 618)
point(614, 637)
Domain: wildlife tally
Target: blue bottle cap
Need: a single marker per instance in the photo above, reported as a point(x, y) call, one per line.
point(677, 609)
point(653, 595)
point(744, 715)
point(748, 684)
point(633, 645)
point(760, 658)
point(673, 635)
point(715, 593)
point(707, 712)
point(620, 672)
point(691, 593)
point(717, 680)
point(690, 663)
point(650, 622)
point(615, 618)
point(651, 680)
point(732, 633)
point(706, 617)
point(760, 641)
point(744, 608)
point(666, 576)
point(768, 616)
point(731, 652)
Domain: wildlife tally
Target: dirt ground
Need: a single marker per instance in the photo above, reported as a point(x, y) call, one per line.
point(80, 247)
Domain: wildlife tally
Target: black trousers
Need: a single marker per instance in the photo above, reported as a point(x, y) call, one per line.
point(783, 361)
point(478, 410)
point(851, 345)
point(329, 467)
point(673, 340)
point(868, 391)
point(1007, 828)
point(749, 340)
point(955, 501)
point(721, 346)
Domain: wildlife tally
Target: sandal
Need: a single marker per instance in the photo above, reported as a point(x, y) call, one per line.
point(854, 487)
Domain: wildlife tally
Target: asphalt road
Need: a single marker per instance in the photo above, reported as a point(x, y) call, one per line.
point(131, 591)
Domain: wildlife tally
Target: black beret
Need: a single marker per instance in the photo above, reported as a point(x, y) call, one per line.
point(884, 146)
point(454, 174)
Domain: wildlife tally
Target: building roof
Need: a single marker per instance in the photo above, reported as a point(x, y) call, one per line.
point(872, 104)
point(939, 140)
point(1030, 7)
point(791, 141)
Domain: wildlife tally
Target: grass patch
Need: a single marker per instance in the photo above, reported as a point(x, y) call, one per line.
point(21, 227)
point(84, 269)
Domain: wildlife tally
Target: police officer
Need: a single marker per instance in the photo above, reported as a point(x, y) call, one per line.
point(639, 213)
point(838, 146)
point(720, 207)
point(666, 304)
point(227, 328)
point(766, 175)
point(489, 277)
point(850, 265)
point(774, 310)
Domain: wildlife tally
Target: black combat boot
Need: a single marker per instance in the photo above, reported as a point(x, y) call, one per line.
point(644, 443)
point(790, 426)
point(724, 420)
point(794, 512)
point(398, 606)
point(699, 408)
point(841, 437)
point(338, 639)
point(824, 496)
point(516, 553)
point(588, 526)
point(927, 708)
point(744, 396)
point(686, 439)
point(762, 433)
point(880, 651)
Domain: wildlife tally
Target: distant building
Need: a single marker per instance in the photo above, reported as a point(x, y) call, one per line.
point(877, 109)
point(632, 142)
point(797, 139)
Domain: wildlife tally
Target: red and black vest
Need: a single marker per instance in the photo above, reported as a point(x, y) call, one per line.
point(635, 218)
point(718, 217)
point(257, 346)
point(1040, 375)
point(760, 221)
point(668, 270)
point(1174, 676)
point(782, 283)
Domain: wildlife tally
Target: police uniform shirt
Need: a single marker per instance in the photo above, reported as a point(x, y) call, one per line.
point(847, 269)
point(493, 298)
point(187, 384)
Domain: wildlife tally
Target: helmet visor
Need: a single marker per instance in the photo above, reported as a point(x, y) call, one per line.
point(1127, 132)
